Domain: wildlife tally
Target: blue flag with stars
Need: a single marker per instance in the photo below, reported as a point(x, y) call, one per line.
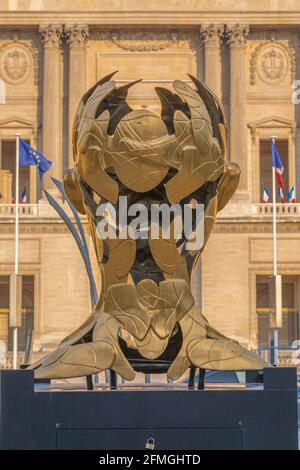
point(29, 156)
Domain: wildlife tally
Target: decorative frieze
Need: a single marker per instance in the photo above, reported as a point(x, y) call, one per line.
point(147, 41)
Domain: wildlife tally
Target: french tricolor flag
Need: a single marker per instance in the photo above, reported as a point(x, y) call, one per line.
point(281, 195)
point(277, 164)
point(266, 195)
point(292, 195)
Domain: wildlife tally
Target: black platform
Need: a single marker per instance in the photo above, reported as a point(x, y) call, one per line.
point(250, 418)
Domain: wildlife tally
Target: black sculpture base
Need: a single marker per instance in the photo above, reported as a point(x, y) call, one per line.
point(250, 418)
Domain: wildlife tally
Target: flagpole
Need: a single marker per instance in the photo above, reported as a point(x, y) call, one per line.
point(15, 330)
point(275, 330)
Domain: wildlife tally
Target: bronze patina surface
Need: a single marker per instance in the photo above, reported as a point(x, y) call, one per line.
point(146, 296)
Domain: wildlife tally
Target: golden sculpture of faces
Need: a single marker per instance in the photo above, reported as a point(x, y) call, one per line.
point(178, 157)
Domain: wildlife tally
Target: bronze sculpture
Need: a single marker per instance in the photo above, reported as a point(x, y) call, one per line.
point(175, 158)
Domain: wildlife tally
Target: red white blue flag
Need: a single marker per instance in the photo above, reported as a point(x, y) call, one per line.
point(292, 195)
point(24, 194)
point(280, 194)
point(277, 164)
point(266, 195)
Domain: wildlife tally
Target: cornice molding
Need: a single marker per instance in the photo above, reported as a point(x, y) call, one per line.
point(151, 18)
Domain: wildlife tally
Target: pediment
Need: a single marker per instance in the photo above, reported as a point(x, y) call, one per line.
point(16, 123)
point(272, 121)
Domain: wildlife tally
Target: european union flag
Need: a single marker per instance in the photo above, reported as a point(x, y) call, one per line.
point(29, 156)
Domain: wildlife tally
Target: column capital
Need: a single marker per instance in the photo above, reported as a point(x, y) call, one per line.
point(77, 35)
point(51, 35)
point(237, 35)
point(211, 34)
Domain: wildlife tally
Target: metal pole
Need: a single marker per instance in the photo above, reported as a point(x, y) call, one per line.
point(275, 330)
point(15, 330)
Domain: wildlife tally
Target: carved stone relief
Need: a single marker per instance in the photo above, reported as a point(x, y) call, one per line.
point(18, 58)
point(272, 59)
point(15, 64)
point(147, 41)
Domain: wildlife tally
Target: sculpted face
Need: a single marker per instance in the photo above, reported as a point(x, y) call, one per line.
point(151, 323)
point(177, 157)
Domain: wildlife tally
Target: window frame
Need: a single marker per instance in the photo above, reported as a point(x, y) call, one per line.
point(264, 129)
point(28, 131)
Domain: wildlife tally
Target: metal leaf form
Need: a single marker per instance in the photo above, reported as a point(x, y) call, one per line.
point(81, 241)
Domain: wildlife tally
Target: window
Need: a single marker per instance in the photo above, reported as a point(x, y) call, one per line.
point(265, 159)
point(8, 162)
point(27, 312)
point(290, 330)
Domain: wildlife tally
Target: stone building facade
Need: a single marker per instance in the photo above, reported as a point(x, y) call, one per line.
point(248, 52)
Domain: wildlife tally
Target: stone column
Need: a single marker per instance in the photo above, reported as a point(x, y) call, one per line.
point(236, 38)
point(51, 36)
point(211, 37)
point(77, 37)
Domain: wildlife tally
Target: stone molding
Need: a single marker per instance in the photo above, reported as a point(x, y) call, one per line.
point(179, 16)
point(222, 226)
